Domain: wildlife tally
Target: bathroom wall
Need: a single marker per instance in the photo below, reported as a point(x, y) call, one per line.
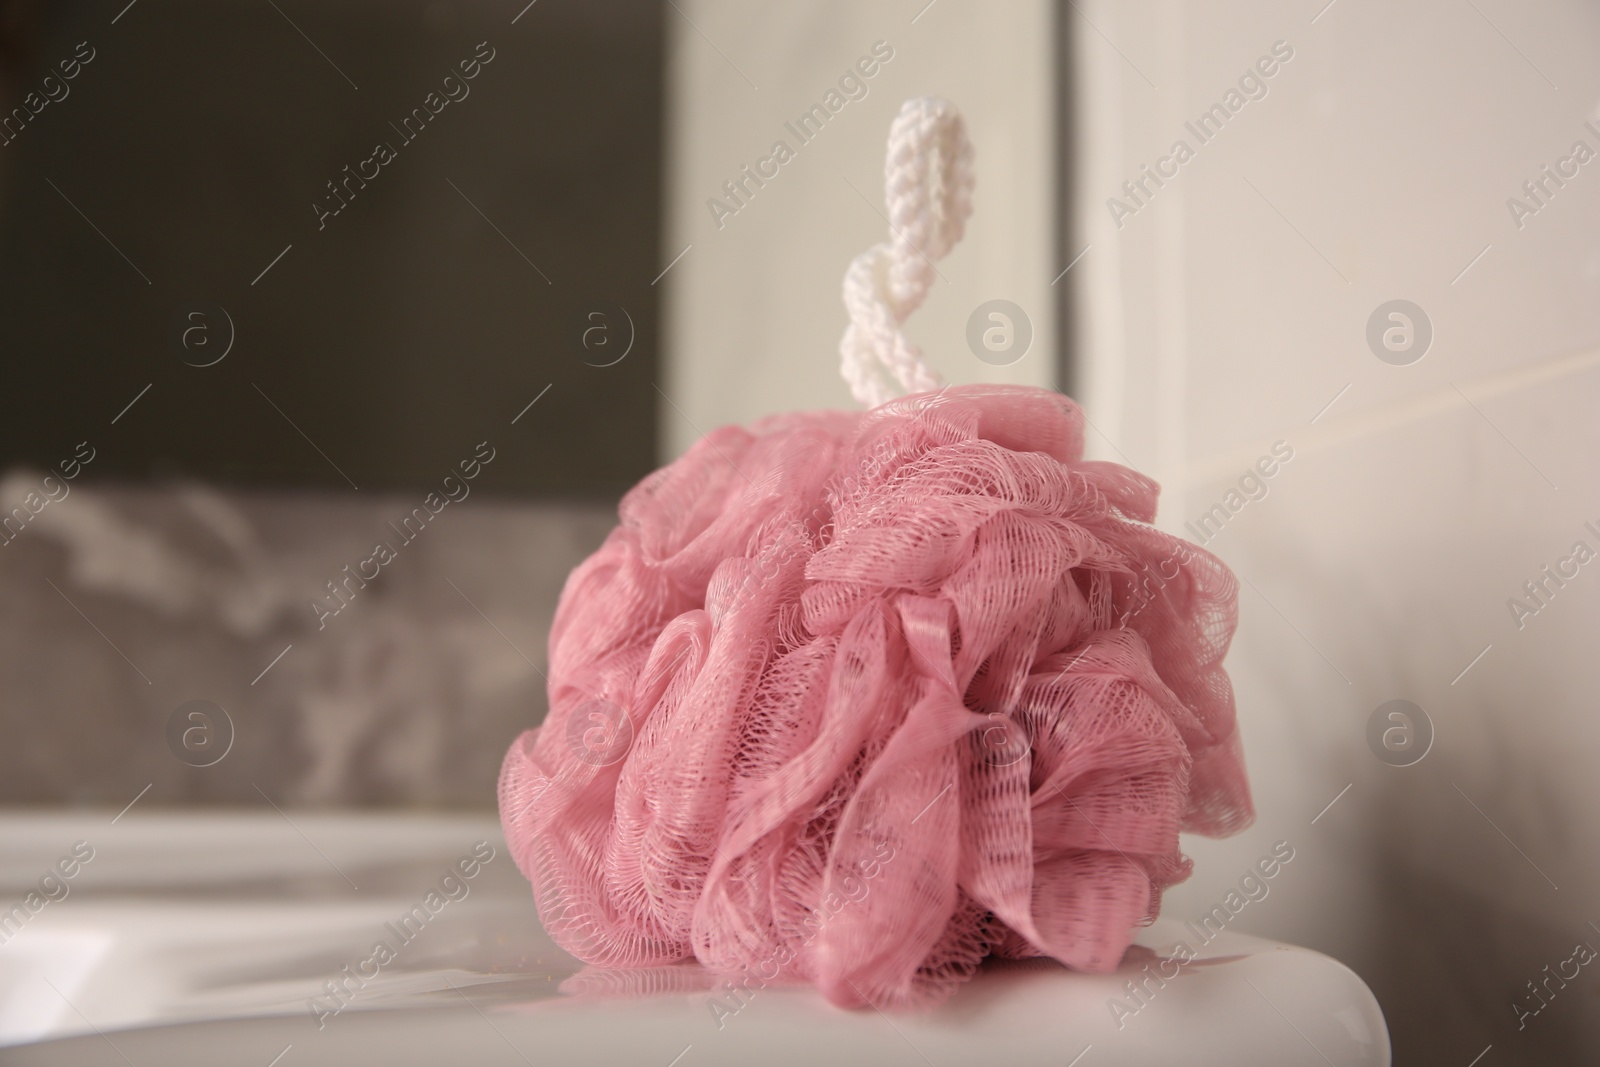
point(753, 313)
point(1368, 155)
point(1227, 310)
point(268, 289)
point(267, 384)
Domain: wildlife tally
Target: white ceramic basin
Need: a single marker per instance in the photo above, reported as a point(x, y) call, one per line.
point(209, 939)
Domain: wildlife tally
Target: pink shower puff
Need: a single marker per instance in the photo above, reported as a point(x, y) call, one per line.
point(862, 698)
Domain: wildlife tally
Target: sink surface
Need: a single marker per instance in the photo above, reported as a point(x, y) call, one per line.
point(254, 938)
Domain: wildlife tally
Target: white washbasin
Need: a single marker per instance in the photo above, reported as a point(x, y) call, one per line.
point(209, 939)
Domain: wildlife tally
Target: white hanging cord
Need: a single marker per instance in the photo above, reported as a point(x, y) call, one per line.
point(928, 178)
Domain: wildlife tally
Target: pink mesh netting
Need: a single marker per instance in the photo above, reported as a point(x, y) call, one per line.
point(862, 698)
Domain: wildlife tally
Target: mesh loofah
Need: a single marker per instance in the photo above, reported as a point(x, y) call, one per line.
point(861, 699)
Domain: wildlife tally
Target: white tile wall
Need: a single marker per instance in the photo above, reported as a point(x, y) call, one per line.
point(753, 312)
point(1228, 314)
point(1225, 315)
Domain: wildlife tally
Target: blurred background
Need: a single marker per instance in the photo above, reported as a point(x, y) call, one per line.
point(244, 345)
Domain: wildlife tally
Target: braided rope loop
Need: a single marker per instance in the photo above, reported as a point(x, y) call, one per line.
point(928, 181)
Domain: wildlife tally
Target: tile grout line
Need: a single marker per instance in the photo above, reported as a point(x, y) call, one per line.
point(1222, 465)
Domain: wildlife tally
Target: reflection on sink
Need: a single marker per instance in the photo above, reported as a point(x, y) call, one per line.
point(188, 918)
point(29, 1008)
